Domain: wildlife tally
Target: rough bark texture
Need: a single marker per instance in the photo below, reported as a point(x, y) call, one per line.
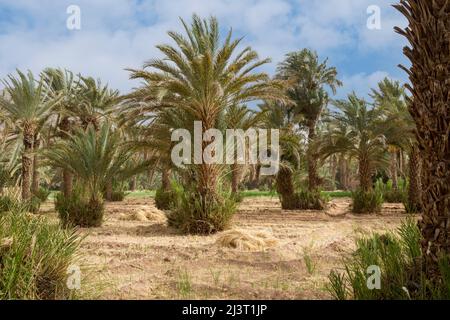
point(313, 179)
point(109, 191)
point(27, 162)
point(36, 177)
point(67, 185)
point(429, 52)
point(133, 183)
point(365, 181)
point(415, 186)
point(235, 177)
point(165, 179)
point(394, 170)
point(285, 188)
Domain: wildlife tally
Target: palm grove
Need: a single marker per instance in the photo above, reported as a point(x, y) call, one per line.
point(75, 133)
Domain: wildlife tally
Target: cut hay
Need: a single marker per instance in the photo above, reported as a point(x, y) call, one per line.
point(145, 213)
point(246, 241)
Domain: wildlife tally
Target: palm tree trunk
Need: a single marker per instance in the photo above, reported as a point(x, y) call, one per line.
point(415, 187)
point(133, 183)
point(165, 179)
point(67, 185)
point(365, 181)
point(333, 170)
point(429, 54)
point(393, 169)
point(36, 177)
point(235, 177)
point(313, 179)
point(27, 162)
point(285, 189)
point(109, 190)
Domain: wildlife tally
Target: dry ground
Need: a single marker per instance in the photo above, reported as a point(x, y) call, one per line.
point(148, 260)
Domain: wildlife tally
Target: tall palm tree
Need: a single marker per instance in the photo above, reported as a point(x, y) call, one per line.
point(358, 132)
point(64, 83)
point(391, 98)
point(240, 118)
point(28, 106)
point(202, 76)
point(309, 78)
point(280, 116)
point(429, 53)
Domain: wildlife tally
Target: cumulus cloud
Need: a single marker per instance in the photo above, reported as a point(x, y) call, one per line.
point(123, 33)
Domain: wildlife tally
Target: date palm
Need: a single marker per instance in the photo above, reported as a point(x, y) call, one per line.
point(391, 98)
point(202, 76)
point(429, 53)
point(240, 118)
point(28, 106)
point(359, 132)
point(94, 156)
point(280, 116)
point(309, 78)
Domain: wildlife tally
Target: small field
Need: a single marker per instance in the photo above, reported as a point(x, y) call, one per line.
point(148, 260)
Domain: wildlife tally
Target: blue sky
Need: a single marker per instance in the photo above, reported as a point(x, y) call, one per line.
point(122, 34)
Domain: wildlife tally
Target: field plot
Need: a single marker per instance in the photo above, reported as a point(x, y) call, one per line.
point(135, 255)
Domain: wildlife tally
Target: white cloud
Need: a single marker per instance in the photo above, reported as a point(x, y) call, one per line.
point(123, 33)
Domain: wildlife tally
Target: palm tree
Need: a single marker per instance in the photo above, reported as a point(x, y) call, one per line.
point(280, 116)
point(28, 106)
point(429, 53)
point(64, 83)
point(358, 132)
point(202, 77)
point(391, 98)
point(309, 78)
point(240, 117)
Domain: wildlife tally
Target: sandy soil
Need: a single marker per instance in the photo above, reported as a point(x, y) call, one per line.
point(148, 260)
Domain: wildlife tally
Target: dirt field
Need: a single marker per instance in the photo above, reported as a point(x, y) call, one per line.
point(139, 259)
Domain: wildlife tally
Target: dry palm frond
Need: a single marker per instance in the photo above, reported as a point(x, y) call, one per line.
point(246, 241)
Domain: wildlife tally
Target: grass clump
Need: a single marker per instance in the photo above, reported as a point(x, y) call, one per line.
point(398, 257)
point(367, 201)
point(34, 257)
point(194, 213)
point(391, 194)
point(164, 199)
point(307, 200)
point(79, 210)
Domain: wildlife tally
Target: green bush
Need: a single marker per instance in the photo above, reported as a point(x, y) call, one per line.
point(391, 195)
point(117, 196)
point(78, 210)
point(238, 197)
point(34, 257)
point(6, 204)
point(367, 201)
point(164, 200)
point(307, 200)
point(399, 258)
point(196, 214)
point(42, 194)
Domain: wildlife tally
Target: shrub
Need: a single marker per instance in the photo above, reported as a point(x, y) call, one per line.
point(164, 200)
point(34, 257)
point(391, 195)
point(238, 197)
point(399, 259)
point(367, 201)
point(6, 204)
point(117, 196)
point(197, 214)
point(78, 210)
point(307, 200)
point(42, 194)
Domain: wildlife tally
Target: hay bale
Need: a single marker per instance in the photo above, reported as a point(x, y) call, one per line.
point(246, 241)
